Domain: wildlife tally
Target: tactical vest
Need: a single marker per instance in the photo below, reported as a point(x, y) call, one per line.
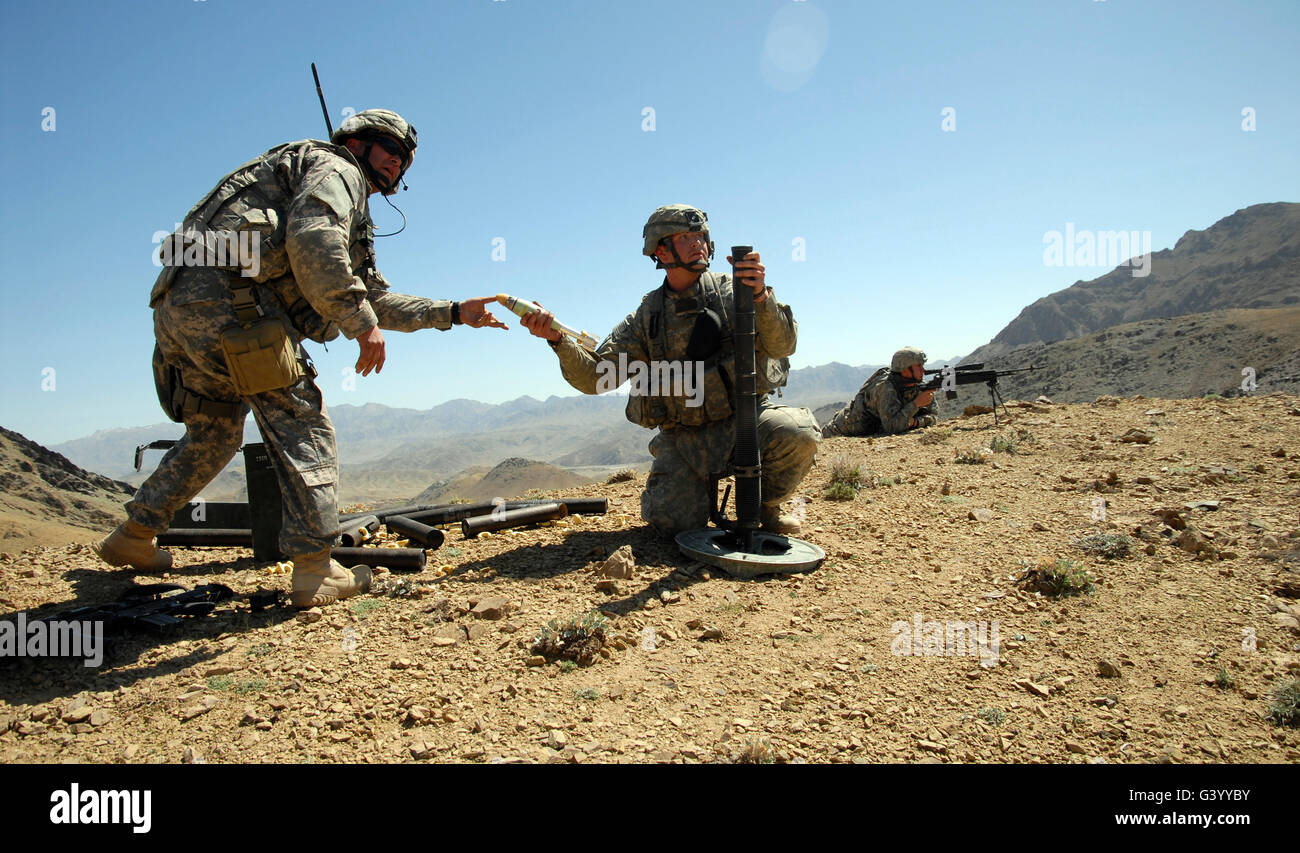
point(718, 395)
point(256, 197)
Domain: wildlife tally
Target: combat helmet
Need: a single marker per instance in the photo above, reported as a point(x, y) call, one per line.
point(675, 219)
point(369, 125)
point(905, 358)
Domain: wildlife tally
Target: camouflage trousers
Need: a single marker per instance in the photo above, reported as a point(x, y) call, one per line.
point(293, 422)
point(677, 495)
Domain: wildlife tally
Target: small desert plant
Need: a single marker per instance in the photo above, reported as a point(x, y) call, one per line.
point(1224, 680)
point(1284, 709)
point(220, 682)
point(846, 479)
point(591, 694)
point(621, 476)
point(992, 716)
point(252, 685)
point(578, 640)
point(362, 609)
point(1108, 545)
point(757, 751)
point(839, 492)
point(971, 456)
point(1061, 577)
point(936, 435)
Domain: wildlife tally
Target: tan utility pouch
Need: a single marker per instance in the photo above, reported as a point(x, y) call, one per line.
point(261, 356)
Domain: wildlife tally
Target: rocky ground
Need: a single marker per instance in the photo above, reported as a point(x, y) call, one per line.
point(1173, 656)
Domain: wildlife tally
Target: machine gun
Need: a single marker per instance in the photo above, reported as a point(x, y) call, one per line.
point(947, 379)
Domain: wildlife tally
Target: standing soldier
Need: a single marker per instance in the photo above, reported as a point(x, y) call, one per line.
point(889, 401)
point(229, 335)
point(689, 319)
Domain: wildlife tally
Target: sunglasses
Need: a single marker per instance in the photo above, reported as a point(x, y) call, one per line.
point(392, 146)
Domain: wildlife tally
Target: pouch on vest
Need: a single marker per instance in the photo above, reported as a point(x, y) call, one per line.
point(167, 381)
point(260, 356)
point(648, 412)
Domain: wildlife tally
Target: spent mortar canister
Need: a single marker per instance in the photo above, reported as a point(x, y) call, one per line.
point(523, 308)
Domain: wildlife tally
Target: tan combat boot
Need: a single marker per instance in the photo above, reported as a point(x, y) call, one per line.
point(774, 521)
point(318, 580)
point(132, 544)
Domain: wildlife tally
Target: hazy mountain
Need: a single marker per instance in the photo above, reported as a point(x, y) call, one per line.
point(1179, 357)
point(45, 497)
point(1250, 259)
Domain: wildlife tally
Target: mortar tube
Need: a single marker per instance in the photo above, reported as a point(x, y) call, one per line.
point(397, 559)
point(429, 537)
point(472, 527)
point(351, 536)
point(206, 537)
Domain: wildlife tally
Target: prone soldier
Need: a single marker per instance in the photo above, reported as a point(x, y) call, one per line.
point(890, 401)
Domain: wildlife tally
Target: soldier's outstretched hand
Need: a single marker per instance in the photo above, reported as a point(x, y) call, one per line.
point(539, 323)
point(474, 313)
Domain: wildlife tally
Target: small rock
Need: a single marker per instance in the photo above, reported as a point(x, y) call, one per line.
point(973, 410)
point(98, 717)
point(475, 630)
point(77, 715)
point(455, 633)
point(310, 616)
point(417, 715)
point(1106, 669)
point(496, 607)
point(621, 564)
point(536, 660)
point(980, 514)
point(607, 585)
point(711, 633)
point(1137, 436)
point(192, 756)
point(420, 750)
point(557, 739)
point(443, 642)
point(1280, 453)
point(1076, 747)
point(402, 663)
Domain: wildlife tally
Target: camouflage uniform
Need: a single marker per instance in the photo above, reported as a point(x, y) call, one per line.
point(694, 443)
point(309, 202)
point(884, 405)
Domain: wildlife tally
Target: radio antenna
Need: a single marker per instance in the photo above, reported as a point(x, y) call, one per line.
point(324, 111)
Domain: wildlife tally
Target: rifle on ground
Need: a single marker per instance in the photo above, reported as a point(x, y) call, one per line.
point(947, 379)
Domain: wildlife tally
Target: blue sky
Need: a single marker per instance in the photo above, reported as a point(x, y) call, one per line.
point(793, 124)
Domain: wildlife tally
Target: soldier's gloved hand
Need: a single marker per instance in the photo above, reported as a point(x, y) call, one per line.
point(372, 352)
point(752, 273)
point(474, 313)
point(924, 399)
point(539, 323)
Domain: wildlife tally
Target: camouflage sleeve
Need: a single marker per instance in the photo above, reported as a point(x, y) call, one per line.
point(320, 218)
point(400, 312)
point(777, 330)
point(895, 415)
point(585, 371)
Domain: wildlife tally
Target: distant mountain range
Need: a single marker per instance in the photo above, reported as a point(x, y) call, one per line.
point(1223, 299)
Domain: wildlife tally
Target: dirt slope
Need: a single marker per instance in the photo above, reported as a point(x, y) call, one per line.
point(794, 669)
